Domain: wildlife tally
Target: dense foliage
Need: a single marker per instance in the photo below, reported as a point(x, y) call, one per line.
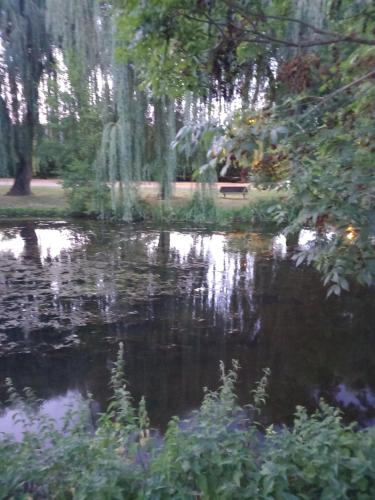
point(219, 452)
point(303, 72)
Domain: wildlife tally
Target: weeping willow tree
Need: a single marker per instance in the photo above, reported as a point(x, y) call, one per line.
point(82, 38)
point(139, 137)
point(198, 127)
point(139, 132)
point(115, 160)
point(26, 55)
point(121, 156)
point(62, 57)
point(86, 33)
point(165, 154)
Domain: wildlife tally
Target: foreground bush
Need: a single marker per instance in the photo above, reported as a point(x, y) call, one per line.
point(219, 453)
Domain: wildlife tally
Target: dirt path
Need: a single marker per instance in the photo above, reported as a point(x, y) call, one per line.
point(35, 182)
point(56, 183)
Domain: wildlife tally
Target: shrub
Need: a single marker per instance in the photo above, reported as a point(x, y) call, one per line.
point(220, 452)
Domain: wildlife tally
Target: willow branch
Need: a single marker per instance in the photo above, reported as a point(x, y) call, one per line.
point(264, 38)
point(330, 96)
point(261, 16)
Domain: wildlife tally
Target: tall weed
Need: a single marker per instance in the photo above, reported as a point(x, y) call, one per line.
point(219, 452)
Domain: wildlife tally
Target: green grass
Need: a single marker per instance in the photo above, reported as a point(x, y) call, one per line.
point(234, 201)
point(51, 201)
point(44, 202)
point(256, 208)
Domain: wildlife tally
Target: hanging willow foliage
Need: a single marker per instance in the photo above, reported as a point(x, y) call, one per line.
point(73, 26)
point(123, 158)
point(81, 33)
point(165, 132)
point(86, 31)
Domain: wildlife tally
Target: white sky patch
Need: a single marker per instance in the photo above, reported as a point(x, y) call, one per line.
point(14, 245)
point(55, 408)
point(51, 242)
point(224, 267)
point(306, 237)
point(279, 246)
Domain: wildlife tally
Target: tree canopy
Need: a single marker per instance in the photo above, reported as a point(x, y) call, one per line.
point(304, 72)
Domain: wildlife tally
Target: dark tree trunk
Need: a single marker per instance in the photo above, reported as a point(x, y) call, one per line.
point(25, 126)
point(23, 170)
point(23, 145)
point(22, 181)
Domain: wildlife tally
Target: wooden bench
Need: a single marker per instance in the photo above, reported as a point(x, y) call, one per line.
point(224, 190)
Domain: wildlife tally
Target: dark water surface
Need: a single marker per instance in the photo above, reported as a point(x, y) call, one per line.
point(181, 300)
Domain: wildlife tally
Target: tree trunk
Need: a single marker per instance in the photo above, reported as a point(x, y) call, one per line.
point(25, 126)
point(22, 181)
point(23, 145)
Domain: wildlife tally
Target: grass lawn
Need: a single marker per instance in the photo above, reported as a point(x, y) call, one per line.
point(46, 201)
point(51, 200)
point(183, 195)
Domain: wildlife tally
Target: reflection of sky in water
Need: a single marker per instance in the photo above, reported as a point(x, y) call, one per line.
point(214, 248)
point(306, 237)
point(226, 285)
point(22, 250)
point(279, 247)
point(361, 398)
point(226, 270)
point(51, 242)
point(223, 268)
point(215, 268)
point(14, 245)
point(12, 419)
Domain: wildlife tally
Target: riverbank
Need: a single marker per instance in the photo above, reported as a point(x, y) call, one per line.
point(219, 452)
point(49, 200)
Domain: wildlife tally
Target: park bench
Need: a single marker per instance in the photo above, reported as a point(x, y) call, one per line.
point(224, 190)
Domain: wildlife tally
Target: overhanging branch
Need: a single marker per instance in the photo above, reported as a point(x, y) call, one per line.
point(338, 91)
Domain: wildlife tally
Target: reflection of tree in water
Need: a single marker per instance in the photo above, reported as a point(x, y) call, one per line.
point(31, 249)
point(182, 302)
point(309, 342)
point(30, 256)
point(164, 247)
point(28, 300)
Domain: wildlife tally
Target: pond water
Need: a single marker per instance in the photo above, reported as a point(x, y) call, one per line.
point(181, 300)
